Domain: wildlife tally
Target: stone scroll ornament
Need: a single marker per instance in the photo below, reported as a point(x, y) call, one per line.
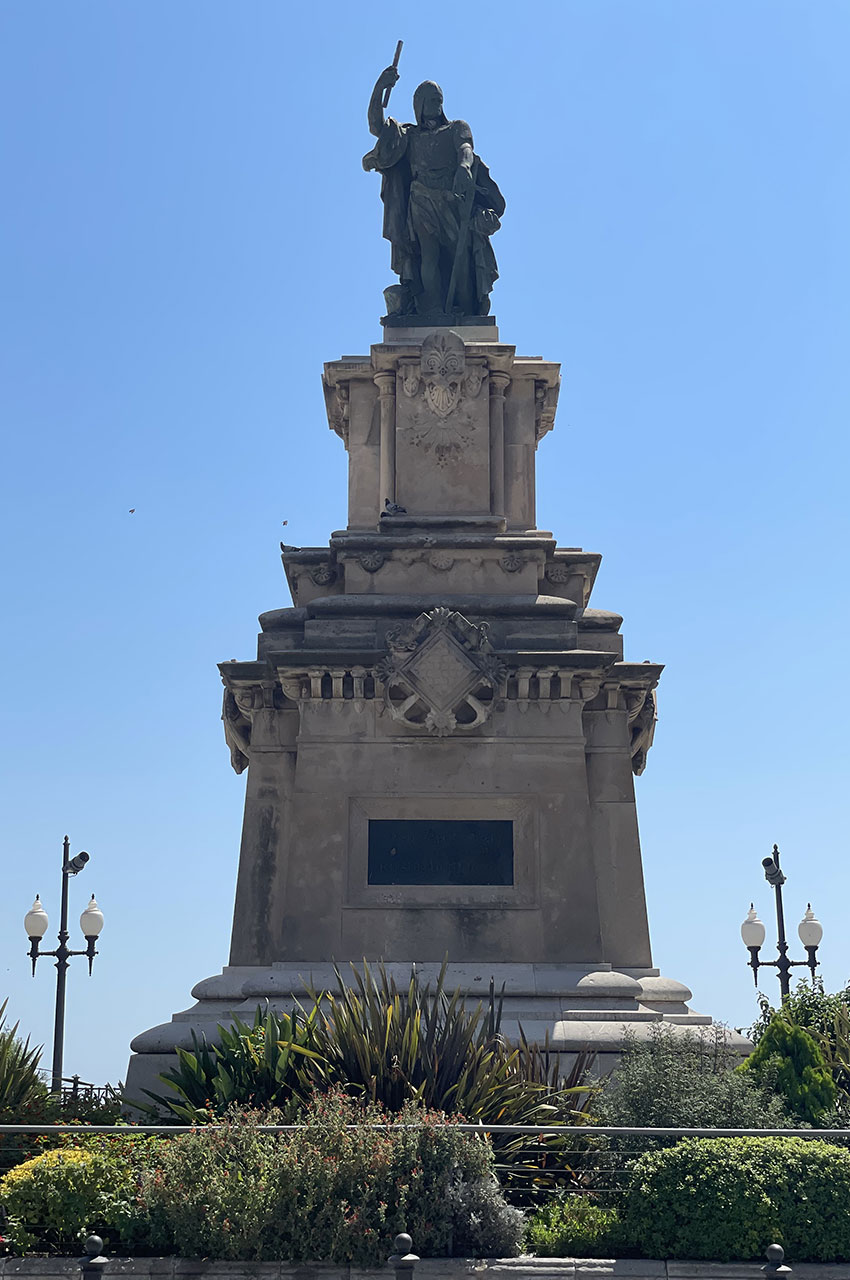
point(643, 714)
point(237, 731)
point(441, 673)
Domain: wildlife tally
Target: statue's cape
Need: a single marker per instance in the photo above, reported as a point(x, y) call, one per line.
point(389, 158)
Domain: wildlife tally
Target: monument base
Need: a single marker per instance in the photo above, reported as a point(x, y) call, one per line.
point(436, 321)
point(413, 329)
point(578, 1006)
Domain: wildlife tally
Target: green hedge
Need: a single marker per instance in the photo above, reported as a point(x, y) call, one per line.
point(728, 1198)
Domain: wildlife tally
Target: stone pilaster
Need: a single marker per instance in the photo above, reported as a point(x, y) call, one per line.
point(499, 381)
point(385, 382)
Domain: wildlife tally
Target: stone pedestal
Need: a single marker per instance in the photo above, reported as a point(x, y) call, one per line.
point(442, 734)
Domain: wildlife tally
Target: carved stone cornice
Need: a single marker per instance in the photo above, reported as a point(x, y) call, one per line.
point(572, 572)
point(544, 685)
point(329, 685)
point(316, 565)
point(248, 688)
point(630, 687)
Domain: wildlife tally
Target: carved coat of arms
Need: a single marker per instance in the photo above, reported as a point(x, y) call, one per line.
point(444, 381)
point(440, 673)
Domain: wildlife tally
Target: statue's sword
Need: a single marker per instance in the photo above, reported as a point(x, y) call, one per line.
point(462, 239)
point(389, 88)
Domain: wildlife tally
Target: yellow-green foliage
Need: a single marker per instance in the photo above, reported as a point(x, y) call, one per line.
point(60, 1197)
point(797, 1069)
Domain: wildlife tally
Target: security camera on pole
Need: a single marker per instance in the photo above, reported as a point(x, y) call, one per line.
point(809, 929)
point(36, 922)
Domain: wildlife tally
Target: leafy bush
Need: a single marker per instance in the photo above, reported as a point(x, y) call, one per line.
point(728, 1198)
point(61, 1196)
point(688, 1081)
point(329, 1192)
point(103, 1108)
point(808, 1006)
point(797, 1069)
point(575, 1226)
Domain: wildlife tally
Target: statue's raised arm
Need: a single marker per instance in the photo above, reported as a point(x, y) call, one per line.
point(386, 80)
point(440, 207)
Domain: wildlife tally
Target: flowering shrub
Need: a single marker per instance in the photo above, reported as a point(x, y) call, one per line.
point(327, 1192)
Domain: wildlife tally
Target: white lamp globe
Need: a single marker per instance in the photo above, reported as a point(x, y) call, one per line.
point(810, 929)
point(91, 921)
point(35, 921)
point(752, 930)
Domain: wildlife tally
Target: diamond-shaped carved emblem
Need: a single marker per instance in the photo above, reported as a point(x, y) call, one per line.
point(441, 673)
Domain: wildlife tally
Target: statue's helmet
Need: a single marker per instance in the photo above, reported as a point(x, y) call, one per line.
point(428, 95)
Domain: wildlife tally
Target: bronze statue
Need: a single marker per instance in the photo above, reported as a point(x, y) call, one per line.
point(440, 207)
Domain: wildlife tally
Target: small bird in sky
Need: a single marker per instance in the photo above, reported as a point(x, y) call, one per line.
point(284, 522)
point(132, 510)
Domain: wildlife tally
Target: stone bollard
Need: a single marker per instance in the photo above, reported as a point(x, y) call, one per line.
point(93, 1264)
point(775, 1255)
point(403, 1260)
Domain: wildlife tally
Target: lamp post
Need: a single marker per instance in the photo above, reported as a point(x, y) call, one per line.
point(36, 922)
point(810, 932)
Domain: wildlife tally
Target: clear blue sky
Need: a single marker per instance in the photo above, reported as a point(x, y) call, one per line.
point(187, 234)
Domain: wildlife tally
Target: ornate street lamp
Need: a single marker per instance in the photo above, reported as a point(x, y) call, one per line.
point(36, 922)
point(810, 931)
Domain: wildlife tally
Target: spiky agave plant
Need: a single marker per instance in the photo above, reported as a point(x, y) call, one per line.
point(426, 1045)
point(20, 1081)
point(24, 1098)
point(261, 1065)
